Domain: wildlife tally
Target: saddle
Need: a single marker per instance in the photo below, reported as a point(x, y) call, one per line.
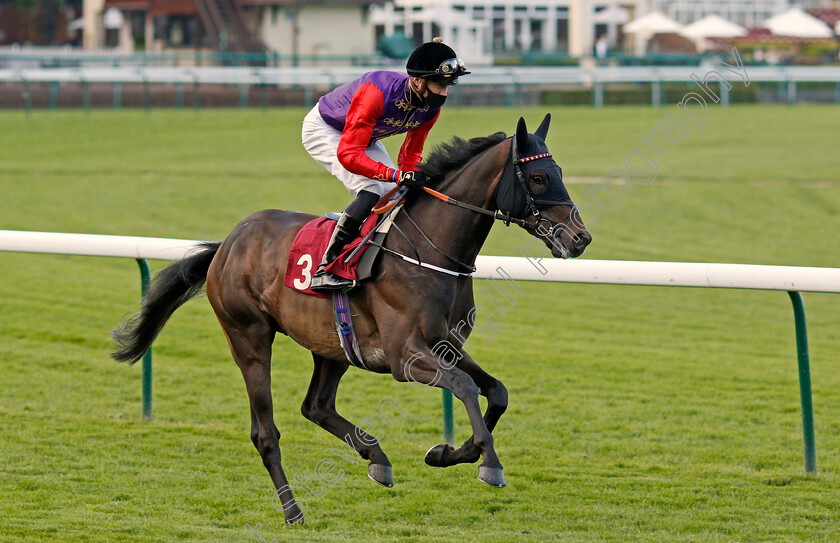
point(311, 241)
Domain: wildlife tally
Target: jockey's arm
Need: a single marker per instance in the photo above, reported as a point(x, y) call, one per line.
point(365, 109)
point(411, 152)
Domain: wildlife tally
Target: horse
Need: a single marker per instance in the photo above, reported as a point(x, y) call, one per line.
point(403, 314)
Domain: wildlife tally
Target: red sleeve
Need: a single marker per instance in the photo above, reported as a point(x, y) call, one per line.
point(411, 152)
point(365, 109)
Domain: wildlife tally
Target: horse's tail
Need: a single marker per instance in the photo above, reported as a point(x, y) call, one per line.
point(173, 286)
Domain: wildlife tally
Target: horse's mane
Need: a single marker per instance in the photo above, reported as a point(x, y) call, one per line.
point(447, 157)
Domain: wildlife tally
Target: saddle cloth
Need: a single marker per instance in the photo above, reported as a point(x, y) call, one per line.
point(309, 247)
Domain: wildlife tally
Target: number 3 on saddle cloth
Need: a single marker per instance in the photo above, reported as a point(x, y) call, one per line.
point(309, 246)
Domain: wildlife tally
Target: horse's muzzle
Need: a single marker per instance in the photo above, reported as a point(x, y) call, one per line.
point(571, 245)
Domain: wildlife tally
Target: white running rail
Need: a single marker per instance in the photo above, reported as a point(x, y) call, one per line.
point(623, 272)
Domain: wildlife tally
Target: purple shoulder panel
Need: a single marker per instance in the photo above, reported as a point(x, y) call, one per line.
point(399, 115)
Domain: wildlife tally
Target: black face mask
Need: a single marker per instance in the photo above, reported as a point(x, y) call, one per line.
point(434, 100)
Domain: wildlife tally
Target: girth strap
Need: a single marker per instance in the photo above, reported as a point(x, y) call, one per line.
point(346, 334)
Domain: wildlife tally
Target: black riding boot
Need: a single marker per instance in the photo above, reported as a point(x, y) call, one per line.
point(345, 231)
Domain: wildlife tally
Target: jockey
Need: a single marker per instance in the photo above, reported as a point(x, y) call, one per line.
point(343, 132)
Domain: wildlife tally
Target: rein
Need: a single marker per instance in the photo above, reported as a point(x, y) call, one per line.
point(386, 205)
point(498, 215)
point(507, 218)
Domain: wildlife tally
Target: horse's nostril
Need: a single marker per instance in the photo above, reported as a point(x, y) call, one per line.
point(581, 240)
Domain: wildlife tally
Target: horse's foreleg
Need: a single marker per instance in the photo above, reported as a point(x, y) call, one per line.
point(422, 367)
point(319, 407)
point(497, 400)
point(251, 349)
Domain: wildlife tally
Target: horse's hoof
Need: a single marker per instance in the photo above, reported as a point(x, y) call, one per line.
point(293, 518)
point(382, 474)
point(437, 455)
point(492, 476)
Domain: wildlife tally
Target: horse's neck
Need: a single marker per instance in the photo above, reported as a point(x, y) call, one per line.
point(458, 231)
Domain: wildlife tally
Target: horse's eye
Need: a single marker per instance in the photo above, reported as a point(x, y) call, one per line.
point(538, 181)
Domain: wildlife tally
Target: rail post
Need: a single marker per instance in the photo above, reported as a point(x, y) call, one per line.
point(243, 95)
point(85, 96)
point(448, 422)
point(179, 95)
point(263, 92)
point(656, 92)
point(599, 93)
point(791, 91)
point(27, 98)
point(145, 278)
point(53, 94)
point(804, 382)
point(196, 95)
point(147, 94)
point(308, 95)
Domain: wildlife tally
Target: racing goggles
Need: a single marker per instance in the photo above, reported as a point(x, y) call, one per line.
point(448, 71)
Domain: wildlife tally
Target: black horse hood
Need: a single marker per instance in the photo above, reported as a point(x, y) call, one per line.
point(531, 154)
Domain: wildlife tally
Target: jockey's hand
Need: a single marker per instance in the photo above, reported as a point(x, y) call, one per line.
point(413, 180)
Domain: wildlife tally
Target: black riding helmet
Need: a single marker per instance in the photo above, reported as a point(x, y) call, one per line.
point(436, 62)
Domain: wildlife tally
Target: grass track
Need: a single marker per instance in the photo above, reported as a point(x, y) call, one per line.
point(637, 414)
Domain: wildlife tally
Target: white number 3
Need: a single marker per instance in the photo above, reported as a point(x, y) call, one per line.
point(306, 260)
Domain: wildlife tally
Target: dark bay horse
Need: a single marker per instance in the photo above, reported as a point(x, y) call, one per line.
point(401, 315)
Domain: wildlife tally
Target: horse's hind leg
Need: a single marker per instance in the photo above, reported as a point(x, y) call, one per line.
point(319, 407)
point(497, 400)
point(251, 349)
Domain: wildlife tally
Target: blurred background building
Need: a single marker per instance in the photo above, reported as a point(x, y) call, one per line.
point(748, 13)
point(508, 32)
point(294, 27)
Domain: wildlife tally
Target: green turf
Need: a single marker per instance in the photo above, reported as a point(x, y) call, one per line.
point(636, 413)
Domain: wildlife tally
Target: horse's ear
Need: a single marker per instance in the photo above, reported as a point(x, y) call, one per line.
point(542, 131)
point(521, 135)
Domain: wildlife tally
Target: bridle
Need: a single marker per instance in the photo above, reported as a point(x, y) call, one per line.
point(533, 206)
point(533, 203)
